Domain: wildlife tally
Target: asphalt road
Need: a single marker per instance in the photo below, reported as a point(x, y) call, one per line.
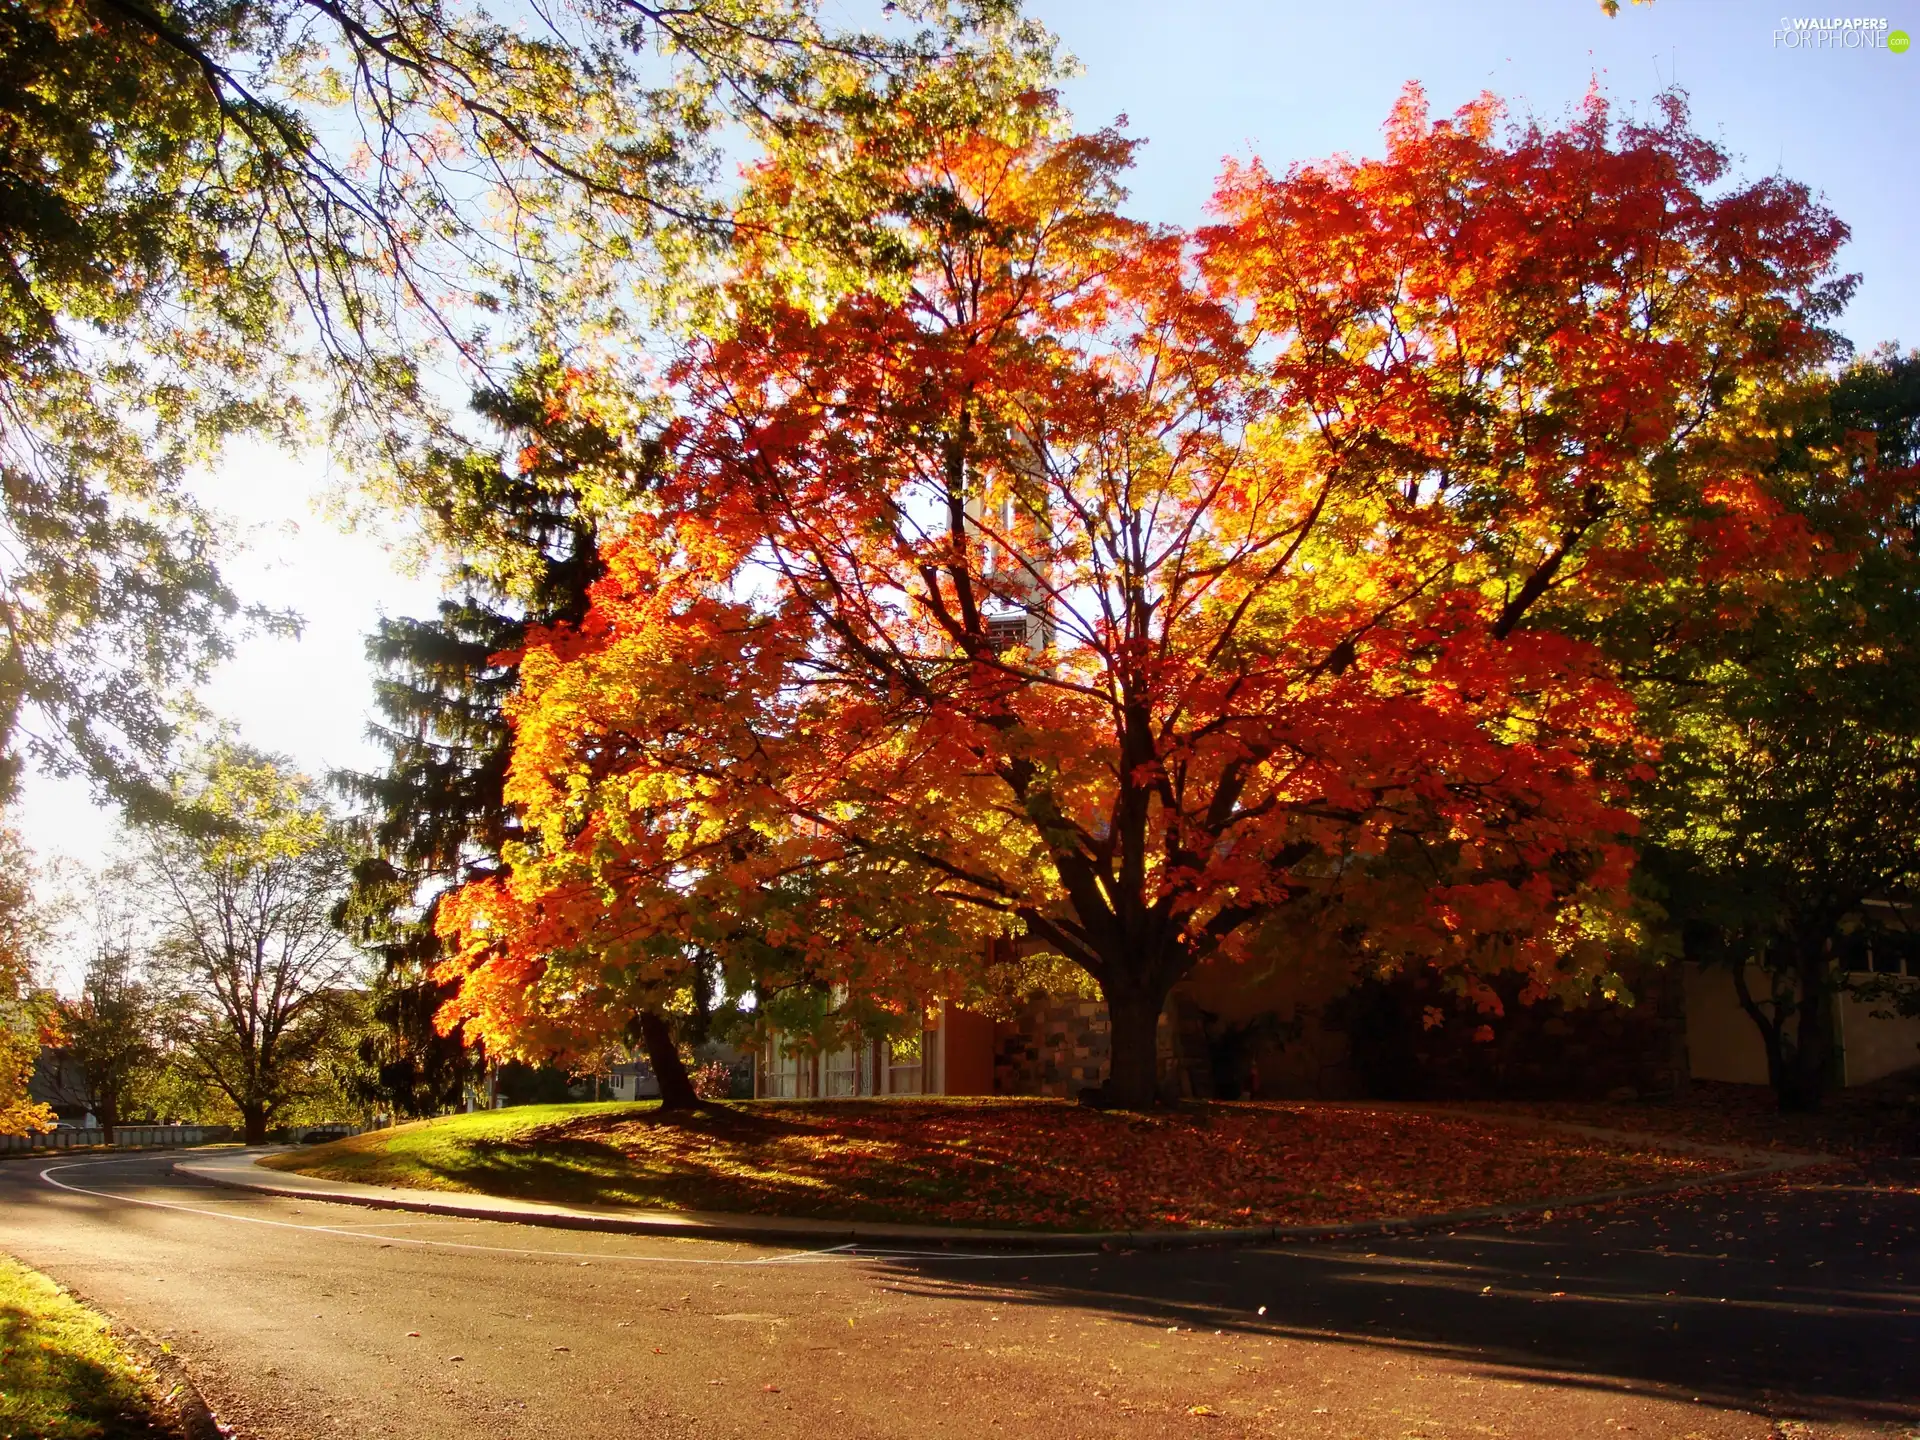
point(1791, 1310)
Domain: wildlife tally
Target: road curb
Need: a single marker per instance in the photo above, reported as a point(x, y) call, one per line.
point(764, 1228)
point(180, 1394)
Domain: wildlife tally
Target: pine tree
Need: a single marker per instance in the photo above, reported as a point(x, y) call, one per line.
point(436, 817)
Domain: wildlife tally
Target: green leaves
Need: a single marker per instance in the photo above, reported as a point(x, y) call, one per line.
point(261, 986)
point(1785, 808)
point(226, 217)
point(26, 1013)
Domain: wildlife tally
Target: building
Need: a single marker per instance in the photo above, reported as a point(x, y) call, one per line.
point(952, 1054)
point(1870, 1041)
point(633, 1080)
point(1229, 1033)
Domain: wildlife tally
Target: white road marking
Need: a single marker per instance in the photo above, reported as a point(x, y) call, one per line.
point(835, 1253)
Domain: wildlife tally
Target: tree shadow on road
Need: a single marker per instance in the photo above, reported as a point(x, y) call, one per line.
point(1800, 1296)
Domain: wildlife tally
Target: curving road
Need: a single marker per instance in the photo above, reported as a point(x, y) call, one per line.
point(1790, 1310)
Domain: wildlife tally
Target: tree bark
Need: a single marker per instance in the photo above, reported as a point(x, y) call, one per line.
point(1133, 1025)
point(1801, 1072)
point(253, 1119)
point(676, 1087)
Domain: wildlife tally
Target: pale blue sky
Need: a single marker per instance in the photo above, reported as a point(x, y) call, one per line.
point(1291, 81)
point(1284, 80)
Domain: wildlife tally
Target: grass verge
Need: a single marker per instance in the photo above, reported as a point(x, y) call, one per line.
point(1000, 1162)
point(62, 1374)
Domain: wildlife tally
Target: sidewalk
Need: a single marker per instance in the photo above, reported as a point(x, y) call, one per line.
point(238, 1171)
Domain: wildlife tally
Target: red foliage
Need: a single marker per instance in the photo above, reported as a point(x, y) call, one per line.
point(1297, 530)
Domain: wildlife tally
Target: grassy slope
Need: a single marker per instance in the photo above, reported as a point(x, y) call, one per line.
point(483, 1152)
point(995, 1162)
point(62, 1376)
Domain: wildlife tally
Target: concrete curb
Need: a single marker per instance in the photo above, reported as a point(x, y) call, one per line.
point(240, 1172)
point(178, 1392)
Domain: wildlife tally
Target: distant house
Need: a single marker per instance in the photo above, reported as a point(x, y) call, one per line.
point(58, 1081)
point(633, 1080)
point(1723, 1043)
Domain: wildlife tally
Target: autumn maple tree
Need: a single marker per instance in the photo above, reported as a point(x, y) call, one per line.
point(1157, 598)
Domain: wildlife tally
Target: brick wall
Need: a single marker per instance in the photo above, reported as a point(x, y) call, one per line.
point(1060, 1047)
point(1053, 1047)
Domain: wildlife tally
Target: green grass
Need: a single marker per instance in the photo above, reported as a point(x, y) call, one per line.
point(62, 1375)
point(1045, 1163)
point(485, 1152)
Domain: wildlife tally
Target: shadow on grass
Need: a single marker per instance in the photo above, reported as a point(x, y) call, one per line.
point(720, 1158)
point(993, 1163)
point(1796, 1298)
point(50, 1391)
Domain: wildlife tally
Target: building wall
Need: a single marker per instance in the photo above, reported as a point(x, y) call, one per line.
point(1873, 1046)
point(1060, 1047)
point(1724, 1043)
point(1053, 1047)
point(967, 1044)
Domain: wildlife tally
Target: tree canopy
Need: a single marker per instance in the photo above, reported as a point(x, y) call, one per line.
point(26, 1012)
point(225, 217)
point(1783, 823)
point(1142, 595)
point(257, 977)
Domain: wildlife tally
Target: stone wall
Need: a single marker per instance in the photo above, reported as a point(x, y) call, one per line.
point(1053, 1047)
point(1378, 1040)
point(125, 1137)
point(1060, 1047)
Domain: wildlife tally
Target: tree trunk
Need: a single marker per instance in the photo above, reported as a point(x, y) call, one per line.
point(1801, 1071)
point(108, 1114)
point(676, 1088)
point(1133, 1026)
point(253, 1119)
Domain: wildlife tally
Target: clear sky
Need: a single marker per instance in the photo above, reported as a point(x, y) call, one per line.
point(1282, 79)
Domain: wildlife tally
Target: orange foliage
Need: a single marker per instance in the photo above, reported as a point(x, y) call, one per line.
point(1160, 596)
point(1062, 1166)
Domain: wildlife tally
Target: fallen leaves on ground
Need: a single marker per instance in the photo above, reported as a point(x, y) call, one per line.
point(1051, 1164)
point(1860, 1122)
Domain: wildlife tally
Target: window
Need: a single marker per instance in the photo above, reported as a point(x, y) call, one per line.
point(903, 1066)
point(787, 1077)
point(1855, 956)
point(1006, 631)
point(841, 1072)
point(1896, 952)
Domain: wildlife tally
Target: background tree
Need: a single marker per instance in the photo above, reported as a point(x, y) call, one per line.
point(26, 1015)
point(231, 218)
point(261, 989)
point(110, 1029)
point(1135, 589)
point(1783, 821)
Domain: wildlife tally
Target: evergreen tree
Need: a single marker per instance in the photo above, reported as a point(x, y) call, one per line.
point(437, 816)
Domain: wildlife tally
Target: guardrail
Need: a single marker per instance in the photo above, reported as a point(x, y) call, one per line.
point(68, 1138)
